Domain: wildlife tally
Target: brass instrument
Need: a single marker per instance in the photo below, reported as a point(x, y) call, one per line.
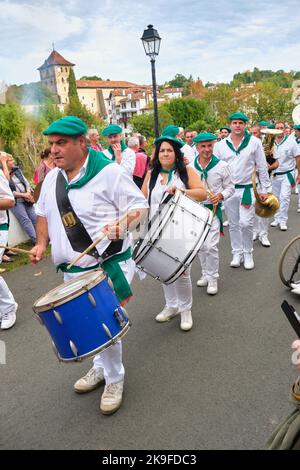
point(265, 208)
point(269, 136)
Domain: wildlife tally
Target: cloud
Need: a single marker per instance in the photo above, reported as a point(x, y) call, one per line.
point(205, 39)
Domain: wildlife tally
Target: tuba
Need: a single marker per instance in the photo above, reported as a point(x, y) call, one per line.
point(265, 208)
point(269, 136)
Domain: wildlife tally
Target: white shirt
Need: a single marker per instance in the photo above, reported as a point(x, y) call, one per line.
point(242, 165)
point(188, 152)
point(128, 159)
point(159, 193)
point(218, 179)
point(5, 193)
point(286, 152)
point(104, 199)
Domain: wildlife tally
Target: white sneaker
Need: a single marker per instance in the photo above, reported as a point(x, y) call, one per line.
point(274, 223)
point(226, 223)
point(166, 314)
point(90, 381)
point(298, 210)
point(264, 240)
point(283, 226)
point(255, 236)
point(202, 282)
point(236, 261)
point(9, 318)
point(186, 321)
point(212, 288)
point(248, 261)
point(111, 399)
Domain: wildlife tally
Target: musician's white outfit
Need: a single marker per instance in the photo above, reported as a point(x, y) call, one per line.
point(284, 178)
point(102, 200)
point(128, 159)
point(8, 306)
point(240, 207)
point(217, 180)
point(178, 295)
point(293, 136)
point(188, 152)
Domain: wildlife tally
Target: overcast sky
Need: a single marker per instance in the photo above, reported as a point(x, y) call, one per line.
point(208, 39)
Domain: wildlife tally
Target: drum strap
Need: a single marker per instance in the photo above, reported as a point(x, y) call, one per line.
point(76, 232)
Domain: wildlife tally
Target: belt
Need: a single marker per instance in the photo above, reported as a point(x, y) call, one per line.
point(4, 226)
point(289, 175)
point(247, 197)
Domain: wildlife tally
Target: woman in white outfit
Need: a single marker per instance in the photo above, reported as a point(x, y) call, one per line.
point(168, 173)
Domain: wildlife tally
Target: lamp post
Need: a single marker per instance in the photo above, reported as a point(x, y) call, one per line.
point(151, 42)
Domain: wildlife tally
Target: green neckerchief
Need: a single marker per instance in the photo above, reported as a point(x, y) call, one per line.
point(123, 147)
point(218, 214)
point(169, 172)
point(4, 226)
point(282, 142)
point(204, 171)
point(243, 144)
point(247, 197)
point(289, 175)
point(96, 162)
point(113, 269)
point(297, 140)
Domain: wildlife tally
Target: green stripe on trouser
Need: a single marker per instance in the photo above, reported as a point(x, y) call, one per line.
point(218, 214)
point(112, 268)
point(247, 197)
point(289, 175)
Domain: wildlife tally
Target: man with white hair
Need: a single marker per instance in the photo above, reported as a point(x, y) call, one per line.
point(141, 161)
point(93, 137)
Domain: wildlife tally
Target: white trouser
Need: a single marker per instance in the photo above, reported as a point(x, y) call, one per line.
point(209, 252)
point(282, 189)
point(111, 359)
point(179, 293)
point(7, 301)
point(261, 226)
point(241, 221)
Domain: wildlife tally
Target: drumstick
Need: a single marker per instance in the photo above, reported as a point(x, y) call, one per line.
point(90, 247)
point(17, 250)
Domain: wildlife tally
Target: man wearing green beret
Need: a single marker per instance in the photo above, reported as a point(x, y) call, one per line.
point(118, 150)
point(224, 132)
point(263, 124)
point(174, 131)
point(85, 194)
point(216, 179)
point(286, 150)
point(244, 153)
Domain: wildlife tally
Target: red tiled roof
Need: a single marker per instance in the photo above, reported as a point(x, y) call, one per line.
point(55, 59)
point(104, 84)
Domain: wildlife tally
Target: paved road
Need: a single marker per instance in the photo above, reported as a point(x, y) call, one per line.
point(223, 385)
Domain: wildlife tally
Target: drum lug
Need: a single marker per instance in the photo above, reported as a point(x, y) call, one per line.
point(55, 351)
point(110, 283)
point(73, 348)
point(58, 317)
point(107, 331)
point(117, 315)
point(91, 299)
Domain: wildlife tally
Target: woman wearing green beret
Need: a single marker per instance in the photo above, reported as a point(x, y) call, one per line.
point(168, 173)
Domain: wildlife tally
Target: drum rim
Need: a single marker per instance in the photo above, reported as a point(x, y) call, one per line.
point(46, 307)
point(101, 348)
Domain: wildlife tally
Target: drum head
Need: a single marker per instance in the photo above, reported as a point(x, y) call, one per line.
point(69, 290)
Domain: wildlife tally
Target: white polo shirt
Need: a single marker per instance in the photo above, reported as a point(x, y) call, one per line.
point(128, 159)
point(5, 193)
point(286, 152)
point(104, 199)
point(242, 165)
point(218, 179)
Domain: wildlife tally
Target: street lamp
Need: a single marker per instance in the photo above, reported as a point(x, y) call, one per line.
point(151, 42)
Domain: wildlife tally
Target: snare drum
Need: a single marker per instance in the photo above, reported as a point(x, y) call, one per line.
point(175, 236)
point(82, 316)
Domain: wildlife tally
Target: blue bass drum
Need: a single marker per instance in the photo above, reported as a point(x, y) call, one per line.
point(82, 316)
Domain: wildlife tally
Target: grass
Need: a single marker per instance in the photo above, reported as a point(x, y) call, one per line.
point(21, 259)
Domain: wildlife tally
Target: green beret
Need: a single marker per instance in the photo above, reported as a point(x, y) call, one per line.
point(167, 138)
point(263, 123)
point(271, 126)
point(171, 131)
point(296, 127)
point(238, 115)
point(112, 129)
point(227, 129)
point(68, 125)
point(205, 137)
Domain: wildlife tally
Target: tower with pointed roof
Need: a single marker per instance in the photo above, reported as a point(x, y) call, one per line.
point(54, 75)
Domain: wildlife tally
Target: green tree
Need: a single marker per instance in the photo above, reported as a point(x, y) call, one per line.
point(144, 123)
point(12, 125)
point(186, 110)
point(92, 77)
point(29, 93)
